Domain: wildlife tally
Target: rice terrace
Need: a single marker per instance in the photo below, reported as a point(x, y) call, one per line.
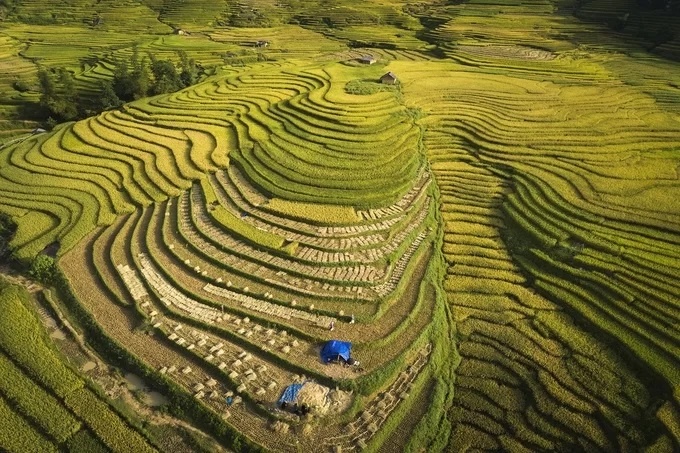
point(340, 225)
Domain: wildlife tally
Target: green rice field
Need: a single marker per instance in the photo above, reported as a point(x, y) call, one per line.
point(497, 233)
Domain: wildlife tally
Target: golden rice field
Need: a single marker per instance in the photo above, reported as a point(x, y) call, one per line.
point(498, 235)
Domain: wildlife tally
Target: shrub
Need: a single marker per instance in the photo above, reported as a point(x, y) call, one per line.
point(43, 268)
point(21, 86)
point(367, 86)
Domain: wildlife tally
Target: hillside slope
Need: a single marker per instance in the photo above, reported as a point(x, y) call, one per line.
point(497, 233)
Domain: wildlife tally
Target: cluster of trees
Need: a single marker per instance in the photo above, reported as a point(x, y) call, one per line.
point(144, 77)
point(5, 7)
point(245, 16)
point(7, 230)
point(133, 79)
point(59, 100)
point(637, 24)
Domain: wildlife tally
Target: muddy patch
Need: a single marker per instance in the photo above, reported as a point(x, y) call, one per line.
point(134, 382)
point(149, 397)
point(155, 399)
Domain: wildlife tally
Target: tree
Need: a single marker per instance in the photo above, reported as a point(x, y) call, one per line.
point(140, 77)
point(189, 71)
point(131, 83)
point(68, 86)
point(108, 99)
point(61, 104)
point(166, 79)
point(121, 83)
point(5, 7)
point(47, 86)
point(7, 230)
point(68, 103)
point(43, 269)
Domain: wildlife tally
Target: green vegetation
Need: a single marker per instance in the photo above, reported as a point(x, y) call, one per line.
point(105, 424)
point(320, 213)
point(232, 223)
point(19, 328)
point(60, 100)
point(496, 233)
point(16, 434)
point(367, 87)
point(43, 268)
point(61, 106)
point(7, 230)
point(50, 404)
point(32, 401)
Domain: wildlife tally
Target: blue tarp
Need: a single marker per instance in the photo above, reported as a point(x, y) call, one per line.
point(336, 350)
point(291, 393)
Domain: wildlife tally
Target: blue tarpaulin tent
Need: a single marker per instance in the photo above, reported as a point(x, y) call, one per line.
point(291, 393)
point(336, 350)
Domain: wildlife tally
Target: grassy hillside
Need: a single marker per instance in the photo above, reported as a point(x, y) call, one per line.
point(497, 233)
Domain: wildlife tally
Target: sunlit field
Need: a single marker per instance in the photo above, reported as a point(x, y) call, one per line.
point(497, 233)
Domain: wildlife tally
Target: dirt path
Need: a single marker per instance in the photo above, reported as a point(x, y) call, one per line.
point(14, 277)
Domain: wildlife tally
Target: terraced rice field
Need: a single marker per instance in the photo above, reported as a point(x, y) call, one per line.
point(44, 403)
point(498, 235)
point(552, 207)
point(239, 239)
point(12, 68)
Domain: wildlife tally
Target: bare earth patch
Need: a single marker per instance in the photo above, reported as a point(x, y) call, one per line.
point(509, 52)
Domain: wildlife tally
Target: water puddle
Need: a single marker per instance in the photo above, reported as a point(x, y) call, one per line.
point(155, 399)
point(150, 397)
point(134, 382)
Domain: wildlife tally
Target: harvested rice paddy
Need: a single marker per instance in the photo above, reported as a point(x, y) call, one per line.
point(497, 234)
